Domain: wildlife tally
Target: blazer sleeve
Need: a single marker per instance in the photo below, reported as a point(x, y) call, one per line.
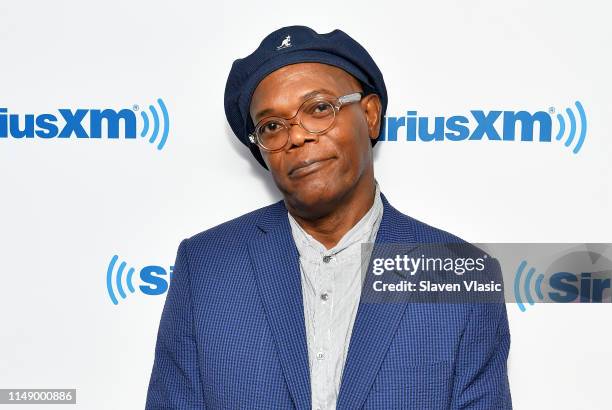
point(481, 373)
point(175, 379)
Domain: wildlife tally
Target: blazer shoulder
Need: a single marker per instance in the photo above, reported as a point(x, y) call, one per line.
point(238, 229)
point(453, 244)
point(424, 232)
point(439, 235)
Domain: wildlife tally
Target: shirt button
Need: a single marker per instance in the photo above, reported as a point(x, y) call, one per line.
point(320, 356)
point(327, 258)
point(324, 296)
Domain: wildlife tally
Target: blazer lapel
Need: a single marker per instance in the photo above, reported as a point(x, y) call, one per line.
point(275, 261)
point(375, 323)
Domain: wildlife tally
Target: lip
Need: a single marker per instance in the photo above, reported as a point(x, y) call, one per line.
point(307, 167)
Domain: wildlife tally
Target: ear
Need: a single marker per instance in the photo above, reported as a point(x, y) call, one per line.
point(372, 107)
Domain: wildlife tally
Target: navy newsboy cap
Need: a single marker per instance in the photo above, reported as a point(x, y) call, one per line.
point(291, 45)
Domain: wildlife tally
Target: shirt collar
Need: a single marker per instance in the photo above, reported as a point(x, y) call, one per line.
point(363, 231)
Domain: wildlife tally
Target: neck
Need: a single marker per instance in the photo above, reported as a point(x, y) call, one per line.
point(329, 228)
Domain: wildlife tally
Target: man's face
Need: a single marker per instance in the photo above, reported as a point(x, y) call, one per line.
point(342, 154)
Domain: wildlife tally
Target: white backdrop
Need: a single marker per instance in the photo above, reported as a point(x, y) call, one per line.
point(69, 205)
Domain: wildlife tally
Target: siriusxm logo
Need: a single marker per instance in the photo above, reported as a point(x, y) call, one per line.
point(579, 277)
point(154, 280)
point(493, 126)
point(89, 123)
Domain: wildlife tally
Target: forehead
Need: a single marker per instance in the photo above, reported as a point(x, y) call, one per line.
point(287, 84)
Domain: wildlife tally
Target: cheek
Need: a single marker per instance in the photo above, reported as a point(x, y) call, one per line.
point(278, 169)
point(352, 142)
point(275, 165)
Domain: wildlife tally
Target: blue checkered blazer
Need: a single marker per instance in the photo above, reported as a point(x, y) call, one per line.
point(232, 333)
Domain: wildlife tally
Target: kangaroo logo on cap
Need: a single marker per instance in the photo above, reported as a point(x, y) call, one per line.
point(285, 44)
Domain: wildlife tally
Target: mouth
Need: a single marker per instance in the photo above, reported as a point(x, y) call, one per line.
point(308, 167)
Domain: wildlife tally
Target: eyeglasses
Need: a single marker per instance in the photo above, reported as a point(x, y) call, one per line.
point(316, 115)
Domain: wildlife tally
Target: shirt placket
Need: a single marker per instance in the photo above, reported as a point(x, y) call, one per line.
point(323, 308)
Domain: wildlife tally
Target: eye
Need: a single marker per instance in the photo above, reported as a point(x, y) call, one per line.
point(321, 107)
point(270, 127)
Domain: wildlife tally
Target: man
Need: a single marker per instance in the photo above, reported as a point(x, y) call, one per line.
point(264, 311)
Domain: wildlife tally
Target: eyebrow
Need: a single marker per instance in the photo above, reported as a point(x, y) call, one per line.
point(304, 97)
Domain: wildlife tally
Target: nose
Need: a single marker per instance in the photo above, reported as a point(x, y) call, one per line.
point(298, 135)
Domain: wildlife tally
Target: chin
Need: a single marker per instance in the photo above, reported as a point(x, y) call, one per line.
point(313, 194)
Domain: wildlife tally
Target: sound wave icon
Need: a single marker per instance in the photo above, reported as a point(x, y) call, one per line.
point(163, 123)
point(527, 286)
point(571, 132)
point(118, 280)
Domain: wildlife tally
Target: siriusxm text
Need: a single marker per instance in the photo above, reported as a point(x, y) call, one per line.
point(67, 123)
point(480, 125)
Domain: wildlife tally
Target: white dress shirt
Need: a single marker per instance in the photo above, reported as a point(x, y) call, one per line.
point(331, 289)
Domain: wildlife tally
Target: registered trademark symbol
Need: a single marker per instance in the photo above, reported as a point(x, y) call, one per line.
point(135, 107)
point(551, 110)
